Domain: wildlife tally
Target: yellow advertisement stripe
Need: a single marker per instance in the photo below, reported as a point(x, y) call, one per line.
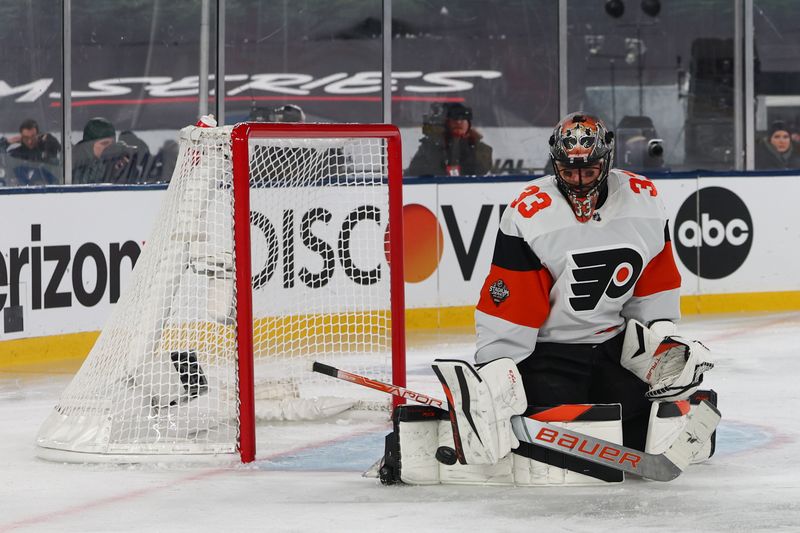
point(70, 349)
point(740, 302)
point(271, 335)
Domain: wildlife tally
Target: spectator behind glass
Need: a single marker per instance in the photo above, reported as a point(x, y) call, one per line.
point(316, 165)
point(288, 113)
point(775, 151)
point(99, 158)
point(164, 162)
point(282, 113)
point(141, 159)
point(259, 114)
point(34, 146)
point(450, 146)
point(35, 160)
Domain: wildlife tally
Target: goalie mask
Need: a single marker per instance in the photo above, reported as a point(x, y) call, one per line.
point(581, 149)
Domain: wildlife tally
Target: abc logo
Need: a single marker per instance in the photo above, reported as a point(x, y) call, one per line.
point(714, 241)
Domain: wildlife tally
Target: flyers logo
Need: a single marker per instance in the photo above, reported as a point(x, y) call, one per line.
point(597, 273)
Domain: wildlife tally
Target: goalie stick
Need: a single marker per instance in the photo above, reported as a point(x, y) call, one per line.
point(377, 385)
point(658, 467)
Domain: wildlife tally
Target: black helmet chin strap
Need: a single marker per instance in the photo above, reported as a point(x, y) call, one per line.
point(603, 194)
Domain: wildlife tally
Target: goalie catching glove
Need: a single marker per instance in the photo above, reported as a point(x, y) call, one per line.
point(671, 365)
point(481, 404)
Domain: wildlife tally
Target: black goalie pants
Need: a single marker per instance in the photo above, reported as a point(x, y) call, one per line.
point(557, 373)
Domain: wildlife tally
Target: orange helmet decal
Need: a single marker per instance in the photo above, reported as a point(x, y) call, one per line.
point(580, 139)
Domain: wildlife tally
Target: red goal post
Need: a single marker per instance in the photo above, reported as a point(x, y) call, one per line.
point(240, 137)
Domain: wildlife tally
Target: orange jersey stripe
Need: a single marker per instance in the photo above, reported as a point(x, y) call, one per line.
point(660, 274)
point(527, 301)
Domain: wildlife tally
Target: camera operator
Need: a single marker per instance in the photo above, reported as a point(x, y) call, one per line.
point(99, 158)
point(450, 146)
point(164, 162)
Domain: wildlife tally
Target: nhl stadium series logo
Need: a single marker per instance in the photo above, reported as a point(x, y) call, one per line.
point(498, 291)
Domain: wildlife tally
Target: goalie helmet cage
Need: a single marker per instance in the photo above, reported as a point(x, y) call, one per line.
point(270, 250)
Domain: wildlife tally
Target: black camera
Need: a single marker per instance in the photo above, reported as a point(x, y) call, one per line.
point(118, 150)
point(434, 121)
point(637, 144)
point(655, 147)
point(120, 161)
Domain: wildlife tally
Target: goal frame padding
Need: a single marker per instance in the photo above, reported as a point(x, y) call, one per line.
point(240, 153)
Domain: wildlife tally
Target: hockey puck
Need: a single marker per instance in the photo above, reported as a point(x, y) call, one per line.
point(446, 455)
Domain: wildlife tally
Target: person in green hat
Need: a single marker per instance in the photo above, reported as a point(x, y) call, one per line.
point(99, 157)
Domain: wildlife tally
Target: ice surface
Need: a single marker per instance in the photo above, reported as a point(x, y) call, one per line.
point(307, 477)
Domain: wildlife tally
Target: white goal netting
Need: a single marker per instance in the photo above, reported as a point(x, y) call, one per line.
point(163, 377)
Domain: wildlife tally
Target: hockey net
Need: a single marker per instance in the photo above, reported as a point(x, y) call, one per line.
point(276, 245)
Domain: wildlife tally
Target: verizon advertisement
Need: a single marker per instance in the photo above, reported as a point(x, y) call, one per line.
point(66, 257)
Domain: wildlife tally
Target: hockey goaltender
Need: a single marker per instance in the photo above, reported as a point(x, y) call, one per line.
point(579, 374)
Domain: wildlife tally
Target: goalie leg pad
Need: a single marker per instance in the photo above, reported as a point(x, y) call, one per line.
point(419, 431)
point(707, 451)
point(498, 473)
point(539, 466)
point(667, 420)
point(410, 455)
point(481, 404)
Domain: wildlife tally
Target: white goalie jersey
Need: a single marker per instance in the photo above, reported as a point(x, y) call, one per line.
point(554, 279)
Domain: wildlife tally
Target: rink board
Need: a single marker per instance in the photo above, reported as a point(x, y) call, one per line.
point(66, 256)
